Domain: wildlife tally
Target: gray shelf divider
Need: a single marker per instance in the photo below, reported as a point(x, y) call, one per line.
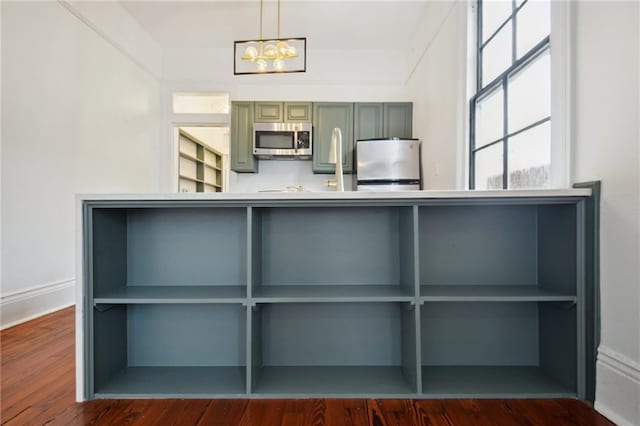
point(491, 382)
point(332, 293)
point(254, 249)
point(491, 293)
point(178, 382)
point(346, 381)
point(173, 294)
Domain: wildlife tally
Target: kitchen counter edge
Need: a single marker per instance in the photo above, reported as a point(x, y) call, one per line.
point(347, 195)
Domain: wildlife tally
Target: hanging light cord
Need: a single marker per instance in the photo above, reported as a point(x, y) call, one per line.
point(278, 19)
point(260, 19)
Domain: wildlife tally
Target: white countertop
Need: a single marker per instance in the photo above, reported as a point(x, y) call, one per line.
point(347, 195)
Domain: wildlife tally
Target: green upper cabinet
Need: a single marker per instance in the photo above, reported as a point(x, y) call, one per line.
point(282, 112)
point(268, 112)
point(297, 112)
point(327, 116)
point(368, 122)
point(242, 159)
point(398, 120)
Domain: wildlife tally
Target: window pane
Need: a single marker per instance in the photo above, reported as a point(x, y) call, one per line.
point(530, 93)
point(489, 118)
point(494, 13)
point(488, 167)
point(530, 158)
point(534, 24)
point(496, 55)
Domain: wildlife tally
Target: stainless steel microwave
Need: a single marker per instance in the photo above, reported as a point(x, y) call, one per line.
point(282, 140)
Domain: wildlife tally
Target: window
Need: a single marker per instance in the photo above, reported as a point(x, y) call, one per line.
point(510, 144)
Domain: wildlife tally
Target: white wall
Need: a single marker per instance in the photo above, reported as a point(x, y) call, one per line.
point(115, 24)
point(0, 163)
point(607, 148)
point(332, 75)
point(79, 115)
point(277, 175)
point(437, 86)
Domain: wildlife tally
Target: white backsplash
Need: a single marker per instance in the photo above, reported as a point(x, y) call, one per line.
point(278, 174)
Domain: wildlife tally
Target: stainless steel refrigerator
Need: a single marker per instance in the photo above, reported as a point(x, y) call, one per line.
point(389, 164)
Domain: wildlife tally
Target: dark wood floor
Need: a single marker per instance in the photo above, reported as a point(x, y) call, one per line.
point(38, 388)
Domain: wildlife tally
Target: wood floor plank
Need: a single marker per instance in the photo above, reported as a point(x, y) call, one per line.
point(314, 412)
point(346, 412)
point(392, 412)
point(88, 413)
point(37, 387)
point(432, 413)
point(224, 412)
point(293, 414)
point(174, 412)
point(36, 394)
point(582, 413)
point(263, 412)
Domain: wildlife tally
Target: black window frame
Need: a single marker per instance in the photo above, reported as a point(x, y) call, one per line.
point(502, 81)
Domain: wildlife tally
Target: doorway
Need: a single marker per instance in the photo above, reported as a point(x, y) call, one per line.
point(202, 157)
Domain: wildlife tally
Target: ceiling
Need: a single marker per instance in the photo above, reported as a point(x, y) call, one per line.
point(326, 24)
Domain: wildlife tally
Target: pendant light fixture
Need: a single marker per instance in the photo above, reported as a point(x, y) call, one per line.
point(270, 55)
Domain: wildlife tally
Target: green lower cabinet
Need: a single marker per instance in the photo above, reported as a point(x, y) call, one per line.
point(398, 120)
point(368, 120)
point(242, 159)
point(327, 116)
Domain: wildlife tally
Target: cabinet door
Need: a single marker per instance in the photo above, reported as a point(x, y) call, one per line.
point(242, 159)
point(297, 112)
point(398, 119)
point(327, 116)
point(268, 112)
point(368, 121)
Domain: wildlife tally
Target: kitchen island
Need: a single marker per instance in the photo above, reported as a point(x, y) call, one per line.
point(415, 294)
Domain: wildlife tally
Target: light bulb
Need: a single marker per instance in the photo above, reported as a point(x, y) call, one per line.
point(278, 64)
point(270, 51)
point(261, 64)
point(282, 47)
point(292, 52)
point(250, 53)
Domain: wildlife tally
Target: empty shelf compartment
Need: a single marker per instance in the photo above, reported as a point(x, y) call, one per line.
point(367, 251)
point(171, 350)
point(483, 251)
point(142, 254)
point(495, 349)
point(334, 349)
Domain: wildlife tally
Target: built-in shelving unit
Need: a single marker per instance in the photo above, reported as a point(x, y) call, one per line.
point(376, 298)
point(200, 167)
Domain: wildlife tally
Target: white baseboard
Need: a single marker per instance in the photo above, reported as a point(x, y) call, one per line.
point(24, 305)
point(617, 387)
